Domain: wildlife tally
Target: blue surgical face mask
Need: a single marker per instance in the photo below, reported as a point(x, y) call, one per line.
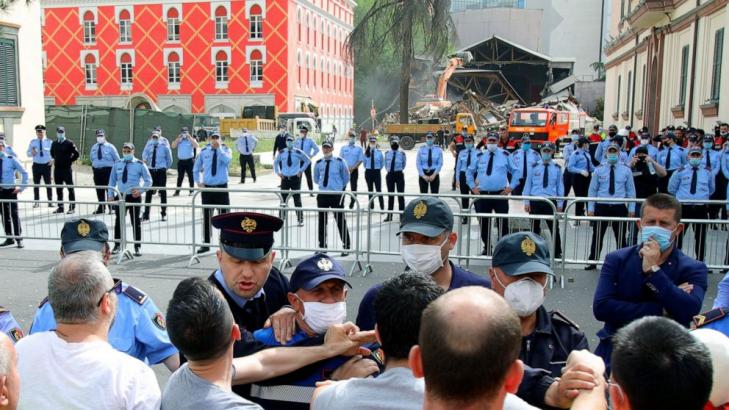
point(469, 145)
point(612, 158)
point(429, 141)
point(694, 162)
point(546, 156)
point(663, 236)
point(575, 137)
point(128, 157)
point(60, 136)
point(708, 145)
point(2, 154)
point(289, 144)
point(155, 141)
point(351, 141)
point(526, 146)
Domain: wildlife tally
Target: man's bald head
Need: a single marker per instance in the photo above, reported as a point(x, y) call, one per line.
point(9, 379)
point(470, 339)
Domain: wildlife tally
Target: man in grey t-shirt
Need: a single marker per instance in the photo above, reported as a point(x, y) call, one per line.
point(186, 390)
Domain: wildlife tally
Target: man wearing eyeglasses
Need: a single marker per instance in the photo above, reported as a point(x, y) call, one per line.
point(139, 327)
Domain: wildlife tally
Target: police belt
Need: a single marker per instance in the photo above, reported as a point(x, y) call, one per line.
point(288, 393)
point(429, 172)
point(217, 186)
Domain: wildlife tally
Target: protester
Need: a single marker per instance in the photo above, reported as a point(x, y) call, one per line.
point(9, 378)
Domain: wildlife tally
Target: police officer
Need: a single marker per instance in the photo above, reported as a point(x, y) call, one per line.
point(279, 143)
point(645, 141)
point(331, 174)
point(9, 325)
point(599, 155)
point(519, 272)
point(429, 162)
point(64, 154)
point(103, 156)
point(131, 177)
point(162, 140)
point(246, 145)
point(374, 160)
point(646, 172)
point(523, 161)
point(490, 170)
point(395, 161)
point(289, 166)
point(309, 147)
point(566, 153)
point(158, 158)
point(211, 171)
point(545, 180)
point(8, 148)
point(581, 167)
point(139, 326)
point(353, 155)
point(455, 147)
point(186, 146)
point(40, 150)
point(712, 160)
point(9, 191)
point(671, 157)
point(465, 158)
point(693, 184)
point(610, 180)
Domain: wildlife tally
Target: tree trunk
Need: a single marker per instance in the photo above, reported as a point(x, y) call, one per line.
point(407, 54)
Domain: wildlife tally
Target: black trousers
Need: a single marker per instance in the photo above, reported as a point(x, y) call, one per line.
point(581, 185)
point(542, 208)
point(567, 181)
point(519, 188)
point(395, 182)
point(332, 201)
point(42, 171)
point(373, 177)
point(465, 190)
point(353, 179)
point(247, 160)
point(133, 212)
point(663, 182)
point(719, 210)
point(159, 179)
point(213, 198)
point(293, 184)
point(184, 167)
point(487, 206)
point(695, 212)
point(9, 212)
point(434, 184)
point(64, 175)
point(309, 180)
point(101, 178)
point(599, 228)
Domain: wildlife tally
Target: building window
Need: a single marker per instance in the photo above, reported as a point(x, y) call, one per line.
point(221, 67)
point(617, 107)
point(221, 23)
point(90, 70)
point(298, 21)
point(256, 63)
point(643, 86)
point(716, 68)
point(9, 87)
point(173, 69)
point(629, 91)
point(126, 70)
point(298, 68)
point(256, 28)
point(173, 25)
point(125, 27)
point(684, 75)
point(89, 28)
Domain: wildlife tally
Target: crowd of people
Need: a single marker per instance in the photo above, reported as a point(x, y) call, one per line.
point(436, 336)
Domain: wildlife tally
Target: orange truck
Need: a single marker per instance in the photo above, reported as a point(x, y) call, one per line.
point(544, 125)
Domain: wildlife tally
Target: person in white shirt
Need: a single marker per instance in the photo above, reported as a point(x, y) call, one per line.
point(9, 379)
point(75, 366)
point(246, 144)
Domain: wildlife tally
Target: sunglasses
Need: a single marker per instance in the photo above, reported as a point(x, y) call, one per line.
point(117, 288)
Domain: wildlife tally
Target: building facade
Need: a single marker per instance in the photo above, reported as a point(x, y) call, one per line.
point(21, 83)
point(665, 64)
point(213, 57)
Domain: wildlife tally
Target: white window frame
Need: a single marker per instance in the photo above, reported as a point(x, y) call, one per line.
point(125, 31)
point(126, 73)
point(89, 32)
point(256, 27)
point(167, 63)
point(213, 52)
point(171, 23)
point(221, 28)
point(90, 76)
point(173, 73)
point(84, 66)
point(256, 73)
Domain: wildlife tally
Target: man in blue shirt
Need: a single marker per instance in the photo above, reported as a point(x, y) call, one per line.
point(567, 152)
point(712, 160)
point(246, 145)
point(158, 158)
point(581, 167)
point(599, 156)
point(331, 174)
point(211, 171)
point(9, 191)
point(103, 156)
point(546, 181)
point(523, 161)
point(395, 161)
point(465, 158)
point(309, 147)
point(670, 157)
point(429, 161)
point(374, 160)
point(693, 184)
point(186, 146)
point(289, 164)
point(40, 150)
point(653, 278)
point(131, 177)
point(611, 180)
point(353, 155)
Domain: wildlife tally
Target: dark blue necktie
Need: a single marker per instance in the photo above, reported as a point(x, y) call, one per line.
point(154, 157)
point(326, 174)
point(430, 158)
point(490, 166)
point(694, 181)
point(545, 181)
point(40, 145)
point(214, 167)
point(394, 157)
point(611, 189)
point(245, 138)
point(289, 162)
point(125, 173)
point(98, 153)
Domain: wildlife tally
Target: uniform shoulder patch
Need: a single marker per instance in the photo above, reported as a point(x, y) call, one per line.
point(43, 302)
point(708, 317)
point(559, 316)
point(135, 294)
point(15, 334)
point(159, 321)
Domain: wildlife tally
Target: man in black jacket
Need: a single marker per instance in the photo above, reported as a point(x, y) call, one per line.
point(280, 142)
point(64, 153)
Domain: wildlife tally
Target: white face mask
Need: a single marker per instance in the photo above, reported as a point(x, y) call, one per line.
point(319, 316)
point(491, 147)
point(524, 296)
point(644, 141)
point(100, 140)
point(424, 259)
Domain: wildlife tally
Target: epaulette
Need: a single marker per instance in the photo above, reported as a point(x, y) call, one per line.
point(507, 153)
point(708, 317)
point(557, 315)
point(135, 294)
point(479, 153)
point(43, 302)
point(339, 159)
point(319, 160)
point(681, 168)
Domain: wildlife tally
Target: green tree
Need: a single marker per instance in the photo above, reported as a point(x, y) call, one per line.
point(405, 27)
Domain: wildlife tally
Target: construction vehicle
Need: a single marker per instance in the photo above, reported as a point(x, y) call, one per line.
point(542, 124)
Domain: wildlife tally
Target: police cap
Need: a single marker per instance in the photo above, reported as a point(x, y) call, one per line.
point(429, 216)
point(304, 129)
point(100, 132)
point(641, 150)
point(613, 147)
point(289, 137)
point(521, 253)
point(327, 143)
point(373, 138)
point(314, 270)
point(60, 129)
point(526, 137)
point(184, 130)
point(548, 146)
point(40, 127)
point(128, 145)
point(695, 150)
point(708, 138)
point(395, 138)
point(468, 138)
point(246, 235)
point(83, 235)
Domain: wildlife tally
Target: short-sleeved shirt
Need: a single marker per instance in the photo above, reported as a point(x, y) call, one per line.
point(461, 278)
point(186, 390)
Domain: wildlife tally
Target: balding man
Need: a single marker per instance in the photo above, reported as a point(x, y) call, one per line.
point(9, 379)
point(464, 329)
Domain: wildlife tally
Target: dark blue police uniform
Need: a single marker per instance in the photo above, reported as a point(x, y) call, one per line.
point(554, 337)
